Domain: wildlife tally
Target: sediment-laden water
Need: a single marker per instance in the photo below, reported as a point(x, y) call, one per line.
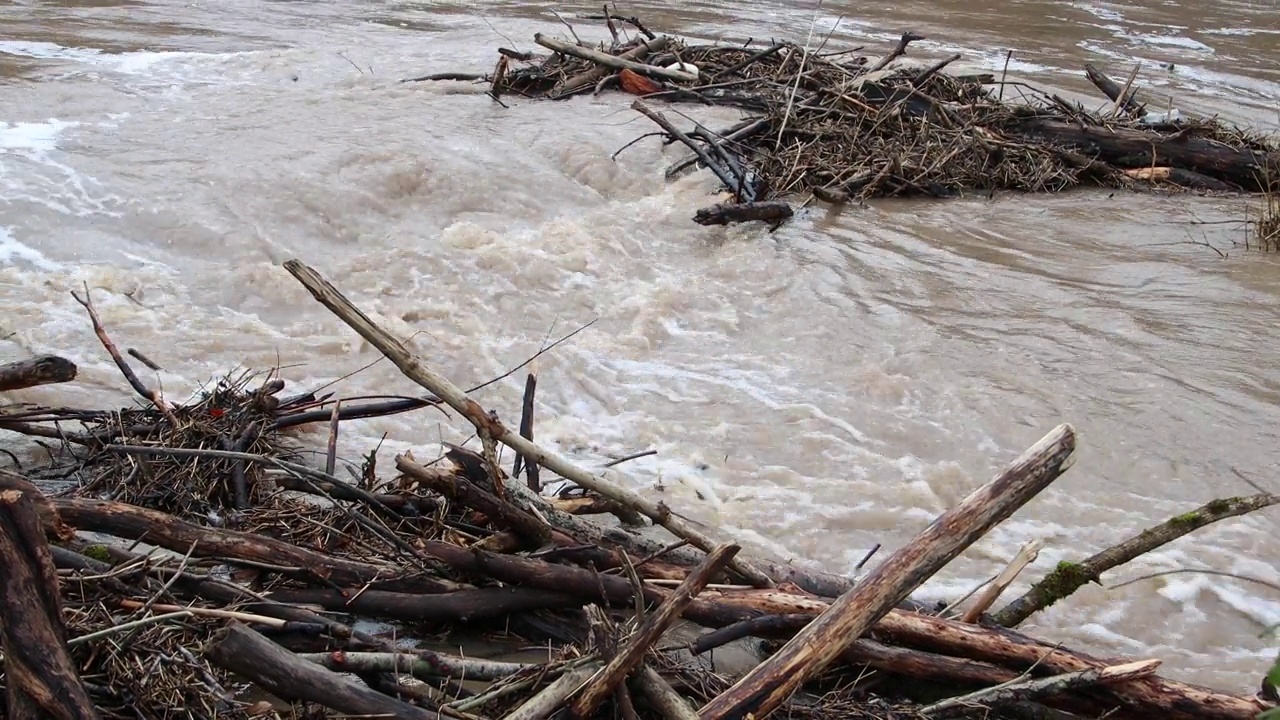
point(813, 391)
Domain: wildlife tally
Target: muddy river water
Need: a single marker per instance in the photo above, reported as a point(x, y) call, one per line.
point(812, 392)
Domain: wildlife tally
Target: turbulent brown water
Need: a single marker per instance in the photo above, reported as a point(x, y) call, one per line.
point(813, 391)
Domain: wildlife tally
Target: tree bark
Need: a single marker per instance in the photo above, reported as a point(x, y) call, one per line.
point(1253, 170)
point(42, 370)
point(41, 680)
point(246, 653)
point(726, 213)
point(769, 684)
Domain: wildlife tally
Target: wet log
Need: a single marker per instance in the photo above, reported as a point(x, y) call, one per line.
point(134, 523)
point(598, 73)
point(1113, 89)
point(42, 370)
point(725, 213)
point(1252, 170)
point(632, 653)
point(253, 657)
point(456, 487)
point(612, 61)
point(1069, 577)
point(1041, 686)
point(40, 678)
point(769, 684)
point(1153, 696)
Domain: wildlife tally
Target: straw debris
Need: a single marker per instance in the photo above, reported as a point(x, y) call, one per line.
point(843, 127)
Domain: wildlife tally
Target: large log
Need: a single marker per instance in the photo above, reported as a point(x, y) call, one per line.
point(1252, 170)
point(769, 684)
point(289, 677)
point(42, 370)
point(612, 61)
point(40, 678)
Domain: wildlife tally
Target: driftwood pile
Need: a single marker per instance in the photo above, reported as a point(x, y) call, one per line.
point(840, 126)
point(192, 566)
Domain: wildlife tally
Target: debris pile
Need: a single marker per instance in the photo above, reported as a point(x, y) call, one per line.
point(192, 565)
point(844, 127)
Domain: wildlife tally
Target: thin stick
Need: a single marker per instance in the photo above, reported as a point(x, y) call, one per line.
point(331, 458)
point(150, 620)
point(417, 370)
point(208, 612)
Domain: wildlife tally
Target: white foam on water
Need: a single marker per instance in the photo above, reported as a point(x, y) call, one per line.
point(32, 170)
point(12, 252)
point(39, 137)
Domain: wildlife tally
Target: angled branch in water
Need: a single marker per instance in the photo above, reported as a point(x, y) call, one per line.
point(147, 393)
point(417, 370)
point(1069, 577)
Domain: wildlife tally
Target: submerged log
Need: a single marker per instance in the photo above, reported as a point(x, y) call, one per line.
point(1252, 170)
point(40, 678)
point(725, 213)
point(289, 677)
point(42, 370)
point(769, 684)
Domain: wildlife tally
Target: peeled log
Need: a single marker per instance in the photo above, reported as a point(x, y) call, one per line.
point(40, 679)
point(43, 370)
point(289, 677)
point(769, 684)
point(1252, 170)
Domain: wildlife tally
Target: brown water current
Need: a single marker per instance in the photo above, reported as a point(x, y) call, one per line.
point(813, 391)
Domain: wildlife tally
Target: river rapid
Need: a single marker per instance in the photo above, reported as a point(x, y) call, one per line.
point(812, 392)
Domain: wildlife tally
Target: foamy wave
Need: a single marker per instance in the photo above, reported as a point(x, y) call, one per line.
point(32, 171)
point(12, 252)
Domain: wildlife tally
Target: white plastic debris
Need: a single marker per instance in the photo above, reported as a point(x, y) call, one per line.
point(684, 67)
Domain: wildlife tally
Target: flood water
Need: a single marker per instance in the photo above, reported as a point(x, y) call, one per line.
point(814, 391)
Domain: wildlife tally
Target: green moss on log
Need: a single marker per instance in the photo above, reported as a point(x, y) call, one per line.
point(97, 552)
point(1065, 579)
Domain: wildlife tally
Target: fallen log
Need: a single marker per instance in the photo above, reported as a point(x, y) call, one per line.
point(1154, 695)
point(41, 680)
point(631, 655)
point(246, 653)
point(725, 213)
point(1253, 170)
point(1113, 90)
point(769, 684)
point(455, 487)
point(42, 370)
point(612, 61)
point(598, 73)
